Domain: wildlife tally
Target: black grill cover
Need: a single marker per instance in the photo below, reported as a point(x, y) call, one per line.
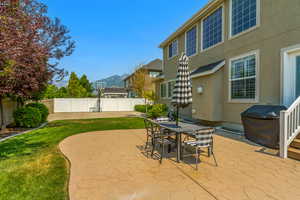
point(264, 112)
point(262, 124)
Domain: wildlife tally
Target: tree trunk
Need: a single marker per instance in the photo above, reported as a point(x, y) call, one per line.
point(3, 126)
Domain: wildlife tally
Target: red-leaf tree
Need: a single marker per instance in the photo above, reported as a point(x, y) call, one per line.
point(31, 44)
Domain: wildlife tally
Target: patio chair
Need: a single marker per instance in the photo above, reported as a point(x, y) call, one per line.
point(149, 133)
point(202, 139)
point(162, 138)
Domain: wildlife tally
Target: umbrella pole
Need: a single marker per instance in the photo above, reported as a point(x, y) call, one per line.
point(177, 115)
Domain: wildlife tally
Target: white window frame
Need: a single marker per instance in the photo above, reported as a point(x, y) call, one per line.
point(258, 20)
point(257, 67)
point(223, 28)
point(166, 83)
point(197, 37)
point(168, 49)
point(287, 54)
point(170, 81)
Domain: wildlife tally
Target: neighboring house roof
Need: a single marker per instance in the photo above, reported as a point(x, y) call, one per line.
point(127, 77)
point(114, 90)
point(187, 24)
point(207, 69)
point(154, 65)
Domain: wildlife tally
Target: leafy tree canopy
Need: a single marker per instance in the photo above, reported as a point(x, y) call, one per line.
point(84, 82)
point(29, 39)
point(75, 89)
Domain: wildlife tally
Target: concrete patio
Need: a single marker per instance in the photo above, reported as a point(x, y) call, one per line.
point(112, 165)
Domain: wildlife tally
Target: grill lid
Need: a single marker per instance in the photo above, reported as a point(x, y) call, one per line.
point(264, 111)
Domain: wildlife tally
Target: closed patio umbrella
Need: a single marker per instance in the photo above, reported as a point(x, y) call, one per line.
point(182, 94)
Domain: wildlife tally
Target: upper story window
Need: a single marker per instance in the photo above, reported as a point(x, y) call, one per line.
point(244, 15)
point(191, 41)
point(212, 29)
point(243, 77)
point(173, 49)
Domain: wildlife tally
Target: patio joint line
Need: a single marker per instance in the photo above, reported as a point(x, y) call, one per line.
point(191, 178)
point(195, 181)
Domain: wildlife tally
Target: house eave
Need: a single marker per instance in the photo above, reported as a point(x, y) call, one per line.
point(214, 70)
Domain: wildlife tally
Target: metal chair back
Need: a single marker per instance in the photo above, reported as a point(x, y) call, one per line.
point(204, 138)
point(148, 126)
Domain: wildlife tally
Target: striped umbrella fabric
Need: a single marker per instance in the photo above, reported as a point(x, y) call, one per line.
point(182, 94)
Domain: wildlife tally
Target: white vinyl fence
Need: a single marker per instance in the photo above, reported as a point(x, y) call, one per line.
point(92, 104)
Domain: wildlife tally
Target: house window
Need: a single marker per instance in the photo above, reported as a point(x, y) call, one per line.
point(243, 15)
point(243, 82)
point(191, 41)
point(171, 85)
point(163, 90)
point(173, 49)
point(212, 29)
point(154, 74)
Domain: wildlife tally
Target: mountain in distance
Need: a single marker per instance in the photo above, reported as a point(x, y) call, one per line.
point(115, 81)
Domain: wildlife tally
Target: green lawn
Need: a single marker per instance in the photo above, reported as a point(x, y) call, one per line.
point(33, 168)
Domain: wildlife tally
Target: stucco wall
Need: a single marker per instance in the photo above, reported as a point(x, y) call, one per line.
point(9, 107)
point(183, 112)
point(279, 28)
point(209, 104)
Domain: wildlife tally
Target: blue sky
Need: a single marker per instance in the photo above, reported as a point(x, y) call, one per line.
point(113, 36)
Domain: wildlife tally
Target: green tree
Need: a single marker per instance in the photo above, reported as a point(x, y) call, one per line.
point(54, 92)
point(51, 92)
point(62, 92)
point(84, 82)
point(142, 85)
point(75, 89)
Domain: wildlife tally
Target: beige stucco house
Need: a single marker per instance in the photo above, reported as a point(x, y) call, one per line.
point(242, 52)
point(153, 70)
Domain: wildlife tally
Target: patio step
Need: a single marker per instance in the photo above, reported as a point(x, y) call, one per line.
point(294, 153)
point(296, 143)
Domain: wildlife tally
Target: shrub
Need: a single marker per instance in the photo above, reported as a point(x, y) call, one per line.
point(27, 117)
point(142, 108)
point(42, 108)
point(157, 110)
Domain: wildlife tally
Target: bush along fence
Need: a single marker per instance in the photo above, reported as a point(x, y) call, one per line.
point(31, 116)
point(153, 111)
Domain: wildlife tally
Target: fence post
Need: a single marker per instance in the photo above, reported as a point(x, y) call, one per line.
point(283, 134)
